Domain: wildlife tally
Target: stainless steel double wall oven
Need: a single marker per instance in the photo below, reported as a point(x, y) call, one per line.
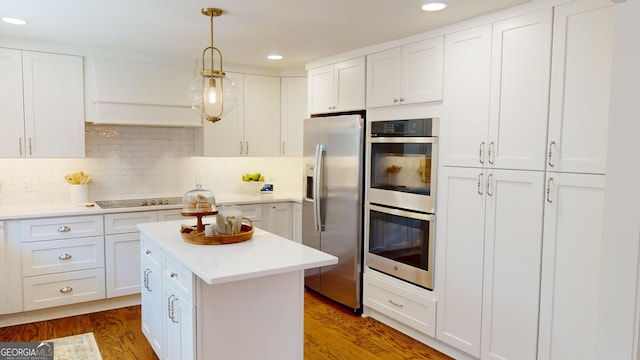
point(401, 186)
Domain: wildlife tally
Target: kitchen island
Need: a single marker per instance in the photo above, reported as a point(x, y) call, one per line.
point(236, 301)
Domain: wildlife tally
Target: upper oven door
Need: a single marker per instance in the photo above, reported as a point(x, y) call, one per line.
point(402, 172)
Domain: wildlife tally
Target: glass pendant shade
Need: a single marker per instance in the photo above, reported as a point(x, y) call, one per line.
point(213, 97)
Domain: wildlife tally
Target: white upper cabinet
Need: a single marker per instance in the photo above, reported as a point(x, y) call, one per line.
point(520, 68)
point(406, 75)
point(125, 92)
point(252, 128)
point(464, 125)
point(496, 94)
point(337, 87)
point(580, 86)
point(42, 101)
point(293, 112)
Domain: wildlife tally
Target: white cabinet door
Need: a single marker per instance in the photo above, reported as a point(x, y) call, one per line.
point(321, 89)
point(460, 247)
point(489, 247)
point(383, 77)
point(152, 305)
point(11, 104)
point(421, 71)
point(571, 265)
point(465, 122)
point(520, 67)
point(225, 137)
point(261, 115)
point(580, 86)
point(406, 75)
point(280, 215)
point(54, 105)
point(122, 264)
point(512, 255)
point(337, 87)
point(179, 325)
point(349, 86)
point(294, 110)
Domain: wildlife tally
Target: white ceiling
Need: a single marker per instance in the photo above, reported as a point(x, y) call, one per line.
point(301, 30)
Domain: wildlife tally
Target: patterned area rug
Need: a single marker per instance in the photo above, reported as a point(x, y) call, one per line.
point(76, 347)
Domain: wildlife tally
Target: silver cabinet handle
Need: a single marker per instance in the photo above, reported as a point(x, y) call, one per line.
point(549, 190)
point(148, 252)
point(171, 308)
point(489, 177)
point(147, 286)
point(401, 99)
point(550, 153)
point(481, 153)
point(246, 152)
point(65, 256)
point(395, 100)
point(395, 304)
point(30, 151)
point(480, 183)
point(64, 228)
point(173, 275)
point(20, 145)
point(66, 289)
point(490, 153)
point(241, 147)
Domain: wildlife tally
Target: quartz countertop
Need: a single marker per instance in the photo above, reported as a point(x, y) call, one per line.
point(35, 210)
point(262, 255)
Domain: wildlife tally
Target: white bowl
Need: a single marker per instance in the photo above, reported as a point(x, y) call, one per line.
point(252, 187)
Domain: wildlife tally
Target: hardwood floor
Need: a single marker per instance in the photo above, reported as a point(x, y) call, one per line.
point(331, 333)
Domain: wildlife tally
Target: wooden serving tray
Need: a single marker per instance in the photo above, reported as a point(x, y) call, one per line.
point(191, 235)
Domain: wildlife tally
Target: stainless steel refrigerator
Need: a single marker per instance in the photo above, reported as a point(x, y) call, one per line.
point(333, 151)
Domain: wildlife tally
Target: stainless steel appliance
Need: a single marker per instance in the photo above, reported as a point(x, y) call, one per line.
point(401, 243)
point(332, 206)
point(402, 158)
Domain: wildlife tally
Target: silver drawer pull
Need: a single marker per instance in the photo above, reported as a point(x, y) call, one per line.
point(174, 275)
point(395, 304)
point(64, 228)
point(148, 252)
point(66, 289)
point(65, 256)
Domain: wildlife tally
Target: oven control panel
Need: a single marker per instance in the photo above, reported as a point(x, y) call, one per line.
point(404, 128)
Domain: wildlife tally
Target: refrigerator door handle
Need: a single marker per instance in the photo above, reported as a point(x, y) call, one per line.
point(318, 185)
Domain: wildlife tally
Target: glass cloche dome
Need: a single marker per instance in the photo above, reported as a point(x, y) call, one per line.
point(198, 200)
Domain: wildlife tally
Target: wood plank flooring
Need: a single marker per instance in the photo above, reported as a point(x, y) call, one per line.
point(331, 333)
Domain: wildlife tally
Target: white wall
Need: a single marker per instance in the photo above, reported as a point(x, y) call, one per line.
point(618, 320)
point(138, 162)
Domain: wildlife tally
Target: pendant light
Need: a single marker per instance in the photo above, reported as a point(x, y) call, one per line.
point(212, 93)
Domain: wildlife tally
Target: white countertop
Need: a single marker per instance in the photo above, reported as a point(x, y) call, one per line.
point(262, 255)
point(35, 210)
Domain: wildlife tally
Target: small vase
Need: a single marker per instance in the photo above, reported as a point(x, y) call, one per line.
point(79, 194)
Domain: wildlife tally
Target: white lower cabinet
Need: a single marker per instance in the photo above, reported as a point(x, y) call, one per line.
point(573, 224)
point(280, 216)
point(489, 252)
point(168, 298)
point(408, 304)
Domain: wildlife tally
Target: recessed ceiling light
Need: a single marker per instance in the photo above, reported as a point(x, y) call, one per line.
point(14, 21)
point(434, 6)
point(274, 57)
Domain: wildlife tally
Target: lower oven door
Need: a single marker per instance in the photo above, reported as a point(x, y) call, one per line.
point(401, 244)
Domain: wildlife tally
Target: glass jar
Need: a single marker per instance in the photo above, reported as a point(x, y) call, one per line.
point(198, 200)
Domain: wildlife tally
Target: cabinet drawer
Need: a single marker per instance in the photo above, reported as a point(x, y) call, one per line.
point(168, 215)
point(252, 211)
point(126, 222)
point(62, 289)
point(61, 228)
point(55, 256)
point(179, 277)
point(406, 305)
point(150, 251)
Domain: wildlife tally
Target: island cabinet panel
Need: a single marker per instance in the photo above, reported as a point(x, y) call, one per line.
point(151, 296)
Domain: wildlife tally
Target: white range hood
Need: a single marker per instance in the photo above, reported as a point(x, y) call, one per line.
point(139, 92)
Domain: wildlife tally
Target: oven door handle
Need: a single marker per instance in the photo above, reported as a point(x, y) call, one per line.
point(318, 185)
point(403, 213)
point(403, 140)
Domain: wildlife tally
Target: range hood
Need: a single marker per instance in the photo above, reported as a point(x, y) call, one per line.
point(139, 92)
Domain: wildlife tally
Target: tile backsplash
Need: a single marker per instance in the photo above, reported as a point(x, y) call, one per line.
point(137, 162)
